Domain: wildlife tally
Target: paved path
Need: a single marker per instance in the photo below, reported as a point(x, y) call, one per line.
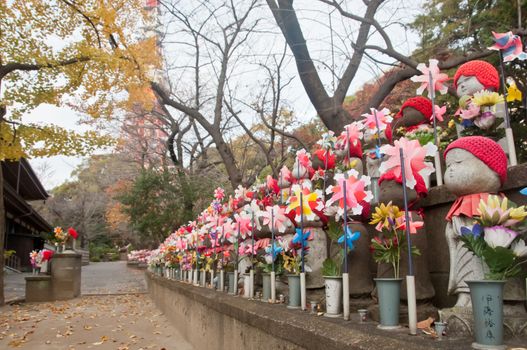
point(97, 278)
point(117, 322)
point(113, 313)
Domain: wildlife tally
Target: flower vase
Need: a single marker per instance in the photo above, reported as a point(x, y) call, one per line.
point(246, 286)
point(203, 278)
point(266, 293)
point(294, 291)
point(230, 277)
point(487, 308)
point(333, 286)
point(388, 293)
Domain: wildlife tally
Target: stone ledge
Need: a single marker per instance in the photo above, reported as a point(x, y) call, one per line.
point(516, 179)
point(296, 329)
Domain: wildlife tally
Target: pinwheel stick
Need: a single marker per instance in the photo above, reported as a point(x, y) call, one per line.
point(410, 278)
point(437, 158)
point(302, 231)
point(508, 131)
point(273, 275)
point(345, 277)
point(345, 228)
point(302, 271)
point(377, 126)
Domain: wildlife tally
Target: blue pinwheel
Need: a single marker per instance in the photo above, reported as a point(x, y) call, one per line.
point(300, 237)
point(274, 250)
point(475, 231)
point(524, 191)
point(350, 237)
point(378, 152)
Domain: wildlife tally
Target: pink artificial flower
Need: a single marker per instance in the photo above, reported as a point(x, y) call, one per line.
point(470, 113)
point(355, 192)
point(414, 159)
point(381, 118)
point(438, 78)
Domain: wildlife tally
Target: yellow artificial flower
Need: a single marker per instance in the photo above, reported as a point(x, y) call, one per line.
point(513, 93)
point(518, 213)
point(382, 215)
point(451, 123)
point(486, 98)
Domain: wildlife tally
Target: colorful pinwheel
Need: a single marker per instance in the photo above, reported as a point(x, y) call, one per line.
point(300, 237)
point(511, 46)
point(219, 193)
point(414, 225)
point(310, 202)
point(377, 118)
point(350, 237)
point(438, 78)
point(414, 160)
point(355, 192)
point(276, 214)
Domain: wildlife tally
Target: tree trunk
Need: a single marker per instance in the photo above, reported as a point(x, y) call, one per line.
point(186, 188)
point(2, 235)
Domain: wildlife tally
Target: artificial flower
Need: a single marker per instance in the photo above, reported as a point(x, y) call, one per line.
point(485, 120)
point(430, 72)
point(513, 93)
point(510, 44)
point(499, 236)
point(356, 194)
point(349, 237)
point(519, 249)
point(496, 211)
point(475, 231)
point(385, 216)
point(469, 113)
point(485, 98)
point(414, 160)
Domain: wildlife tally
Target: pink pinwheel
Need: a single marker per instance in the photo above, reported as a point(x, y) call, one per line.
point(355, 192)
point(310, 202)
point(414, 225)
point(242, 224)
point(219, 193)
point(438, 78)
point(439, 111)
point(281, 221)
point(284, 178)
point(381, 118)
point(510, 44)
point(414, 159)
point(302, 165)
point(227, 229)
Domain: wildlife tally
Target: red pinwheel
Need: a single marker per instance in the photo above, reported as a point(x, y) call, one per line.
point(511, 46)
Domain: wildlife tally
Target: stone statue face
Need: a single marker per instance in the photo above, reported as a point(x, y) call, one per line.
point(466, 174)
point(393, 191)
point(411, 116)
point(468, 86)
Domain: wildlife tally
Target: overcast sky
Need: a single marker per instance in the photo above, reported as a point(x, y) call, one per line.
point(58, 169)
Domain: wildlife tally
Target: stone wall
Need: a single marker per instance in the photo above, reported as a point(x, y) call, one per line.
point(214, 320)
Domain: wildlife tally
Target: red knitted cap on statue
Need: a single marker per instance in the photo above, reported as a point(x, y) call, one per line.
point(420, 103)
point(486, 150)
point(485, 72)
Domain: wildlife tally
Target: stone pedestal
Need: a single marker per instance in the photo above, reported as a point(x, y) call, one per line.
point(38, 288)
point(66, 275)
